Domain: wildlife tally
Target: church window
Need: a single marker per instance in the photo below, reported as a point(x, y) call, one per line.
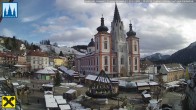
point(114, 61)
point(135, 67)
point(106, 68)
point(135, 61)
point(105, 45)
point(122, 60)
point(135, 46)
point(97, 46)
point(106, 60)
point(97, 61)
point(129, 60)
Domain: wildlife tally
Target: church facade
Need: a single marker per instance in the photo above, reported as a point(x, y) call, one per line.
point(116, 52)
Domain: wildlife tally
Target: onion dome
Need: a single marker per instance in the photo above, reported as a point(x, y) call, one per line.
point(131, 32)
point(92, 43)
point(102, 28)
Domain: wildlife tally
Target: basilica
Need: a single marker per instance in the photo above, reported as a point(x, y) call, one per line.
point(116, 52)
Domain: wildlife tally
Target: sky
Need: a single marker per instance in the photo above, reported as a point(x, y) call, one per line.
point(161, 27)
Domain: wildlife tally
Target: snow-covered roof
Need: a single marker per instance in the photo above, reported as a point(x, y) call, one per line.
point(93, 77)
point(153, 101)
point(65, 107)
point(47, 85)
point(172, 83)
point(58, 97)
point(2, 79)
point(142, 84)
point(15, 84)
point(173, 67)
point(71, 91)
point(47, 70)
point(153, 83)
point(48, 92)
point(50, 101)
point(61, 101)
point(147, 95)
point(69, 72)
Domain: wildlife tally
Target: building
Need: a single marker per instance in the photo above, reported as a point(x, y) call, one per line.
point(8, 59)
point(172, 72)
point(60, 61)
point(37, 59)
point(117, 53)
point(146, 66)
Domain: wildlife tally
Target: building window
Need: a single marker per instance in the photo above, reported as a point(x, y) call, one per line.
point(97, 46)
point(106, 68)
point(114, 61)
point(122, 60)
point(136, 68)
point(106, 60)
point(135, 47)
point(97, 69)
point(114, 69)
point(129, 60)
point(105, 45)
point(135, 61)
point(97, 61)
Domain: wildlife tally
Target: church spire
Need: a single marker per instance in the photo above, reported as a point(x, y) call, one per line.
point(131, 32)
point(102, 27)
point(116, 14)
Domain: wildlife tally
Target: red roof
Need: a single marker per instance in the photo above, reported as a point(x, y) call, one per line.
point(37, 53)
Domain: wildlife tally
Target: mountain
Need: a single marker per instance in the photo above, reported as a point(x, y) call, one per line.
point(184, 56)
point(80, 48)
point(56, 49)
point(157, 57)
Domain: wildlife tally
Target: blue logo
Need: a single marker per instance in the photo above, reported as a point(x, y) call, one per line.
point(10, 10)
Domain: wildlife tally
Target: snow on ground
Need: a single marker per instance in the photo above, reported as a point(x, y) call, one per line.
point(64, 49)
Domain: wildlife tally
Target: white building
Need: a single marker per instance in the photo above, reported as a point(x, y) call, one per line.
point(117, 53)
point(37, 59)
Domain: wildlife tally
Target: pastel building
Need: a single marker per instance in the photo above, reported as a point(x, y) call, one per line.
point(115, 52)
point(37, 59)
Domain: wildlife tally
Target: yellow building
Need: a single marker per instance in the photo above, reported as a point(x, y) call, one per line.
point(172, 72)
point(60, 61)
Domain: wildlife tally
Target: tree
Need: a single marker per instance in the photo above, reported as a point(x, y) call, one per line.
point(61, 54)
point(57, 79)
point(55, 44)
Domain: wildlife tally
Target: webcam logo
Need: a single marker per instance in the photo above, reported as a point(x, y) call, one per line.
point(9, 10)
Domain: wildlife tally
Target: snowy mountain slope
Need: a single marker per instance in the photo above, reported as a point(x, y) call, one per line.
point(64, 49)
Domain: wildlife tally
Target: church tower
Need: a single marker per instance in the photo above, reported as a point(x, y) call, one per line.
point(103, 49)
point(133, 51)
point(119, 44)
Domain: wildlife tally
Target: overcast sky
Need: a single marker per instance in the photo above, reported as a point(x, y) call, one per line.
point(161, 27)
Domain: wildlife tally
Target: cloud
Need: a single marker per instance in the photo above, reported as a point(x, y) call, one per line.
point(7, 32)
point(72, 36)
point(161, 28)
point(30, 18)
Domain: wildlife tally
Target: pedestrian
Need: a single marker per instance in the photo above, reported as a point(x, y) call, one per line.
point(38, 101)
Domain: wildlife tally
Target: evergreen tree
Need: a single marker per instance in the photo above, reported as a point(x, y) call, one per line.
point(57, 79)
point(61, 54)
